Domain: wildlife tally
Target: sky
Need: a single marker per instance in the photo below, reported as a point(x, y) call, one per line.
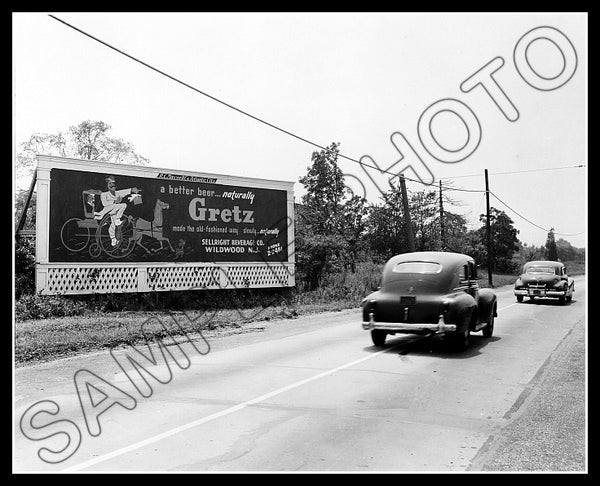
point(351, 78)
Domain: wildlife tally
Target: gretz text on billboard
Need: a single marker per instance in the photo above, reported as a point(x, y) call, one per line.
point(198, 212)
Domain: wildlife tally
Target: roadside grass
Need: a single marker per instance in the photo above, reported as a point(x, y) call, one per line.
point(39, 340)
point(498, 279)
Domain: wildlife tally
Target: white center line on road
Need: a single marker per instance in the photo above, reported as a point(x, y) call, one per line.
point(506, 307)
point(214, 416)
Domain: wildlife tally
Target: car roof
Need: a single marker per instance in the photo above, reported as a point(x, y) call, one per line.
point(544, 263)
point(442, 257)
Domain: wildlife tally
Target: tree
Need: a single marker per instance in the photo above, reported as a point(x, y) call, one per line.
point(329, 224)
point(529, 253)
point(316, 252)
point(354, 216)
point(455, 230)
point(24, 279)
point(89, 140)
point(504, 241)
point(424, 214)
point(318, 246)
point(551, 246)
point(474, 245)
point(565, 251)
point(568, 253)
point(324, 184)
point(385, 226)
point(455, 225)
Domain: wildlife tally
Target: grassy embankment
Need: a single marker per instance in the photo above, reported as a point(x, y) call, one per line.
point(109, 321)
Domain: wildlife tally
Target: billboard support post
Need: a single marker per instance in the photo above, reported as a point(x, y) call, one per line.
point(23, 216)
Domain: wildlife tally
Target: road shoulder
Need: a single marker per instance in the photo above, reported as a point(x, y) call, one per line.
point(546, 429)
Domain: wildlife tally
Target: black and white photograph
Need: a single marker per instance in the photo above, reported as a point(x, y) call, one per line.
point(300, 242)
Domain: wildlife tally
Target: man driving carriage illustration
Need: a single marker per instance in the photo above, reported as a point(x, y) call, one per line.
point(109, 227)
point(113, 205)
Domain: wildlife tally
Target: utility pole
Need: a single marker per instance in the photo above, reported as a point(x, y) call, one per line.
point(487, 228)
point(407, 222)
point(442, 229)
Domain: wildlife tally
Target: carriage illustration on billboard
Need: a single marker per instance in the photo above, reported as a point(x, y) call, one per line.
point(97, 232)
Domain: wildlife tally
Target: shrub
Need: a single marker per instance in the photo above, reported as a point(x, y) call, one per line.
point(346, 286)
point(46, 306)
point(575, 268)
point(24, 266)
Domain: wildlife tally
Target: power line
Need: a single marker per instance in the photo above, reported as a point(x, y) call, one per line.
point(187, 85)
point(239, 110)
point(541, 169)
point(460, 189)
point(531, 222)
point(522, 171)
point(446, 187)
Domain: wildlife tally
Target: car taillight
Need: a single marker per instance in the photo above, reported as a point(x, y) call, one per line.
point(368, 306)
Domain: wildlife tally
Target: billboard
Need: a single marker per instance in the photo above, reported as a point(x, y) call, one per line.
point(99, 215)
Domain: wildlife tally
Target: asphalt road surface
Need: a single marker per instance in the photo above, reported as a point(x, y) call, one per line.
point(308, 394)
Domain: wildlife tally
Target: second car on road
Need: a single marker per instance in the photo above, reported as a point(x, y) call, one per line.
point(544, 279)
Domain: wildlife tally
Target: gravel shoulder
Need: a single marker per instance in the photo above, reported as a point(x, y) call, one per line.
point(547, 428)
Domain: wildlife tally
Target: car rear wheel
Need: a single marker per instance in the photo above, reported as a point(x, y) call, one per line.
point(378, 336)
point(460, 340)
point(489, 329)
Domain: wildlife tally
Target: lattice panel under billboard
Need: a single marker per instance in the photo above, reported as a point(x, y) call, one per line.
point(238, 276)
point(89, 280)
point(251, 276)
point(181, 278)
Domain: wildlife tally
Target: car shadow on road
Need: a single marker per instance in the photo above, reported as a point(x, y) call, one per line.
point(433, 346)
point(547, 301)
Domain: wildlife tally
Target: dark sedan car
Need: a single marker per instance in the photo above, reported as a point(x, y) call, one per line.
point(544, 279)
point(430, 293)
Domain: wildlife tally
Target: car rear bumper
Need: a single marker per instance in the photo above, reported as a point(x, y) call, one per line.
point(541, 293)
point(407, 327)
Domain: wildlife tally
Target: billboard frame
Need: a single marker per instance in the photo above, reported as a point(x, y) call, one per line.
point(74, 278)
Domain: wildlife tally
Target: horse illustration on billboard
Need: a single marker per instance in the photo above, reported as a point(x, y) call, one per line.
point(152, 229)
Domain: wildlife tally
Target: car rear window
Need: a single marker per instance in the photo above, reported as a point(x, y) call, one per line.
point(417, 267)
point(540, 270)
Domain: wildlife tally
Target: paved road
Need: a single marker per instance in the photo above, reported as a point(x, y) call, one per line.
point(310, 394)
